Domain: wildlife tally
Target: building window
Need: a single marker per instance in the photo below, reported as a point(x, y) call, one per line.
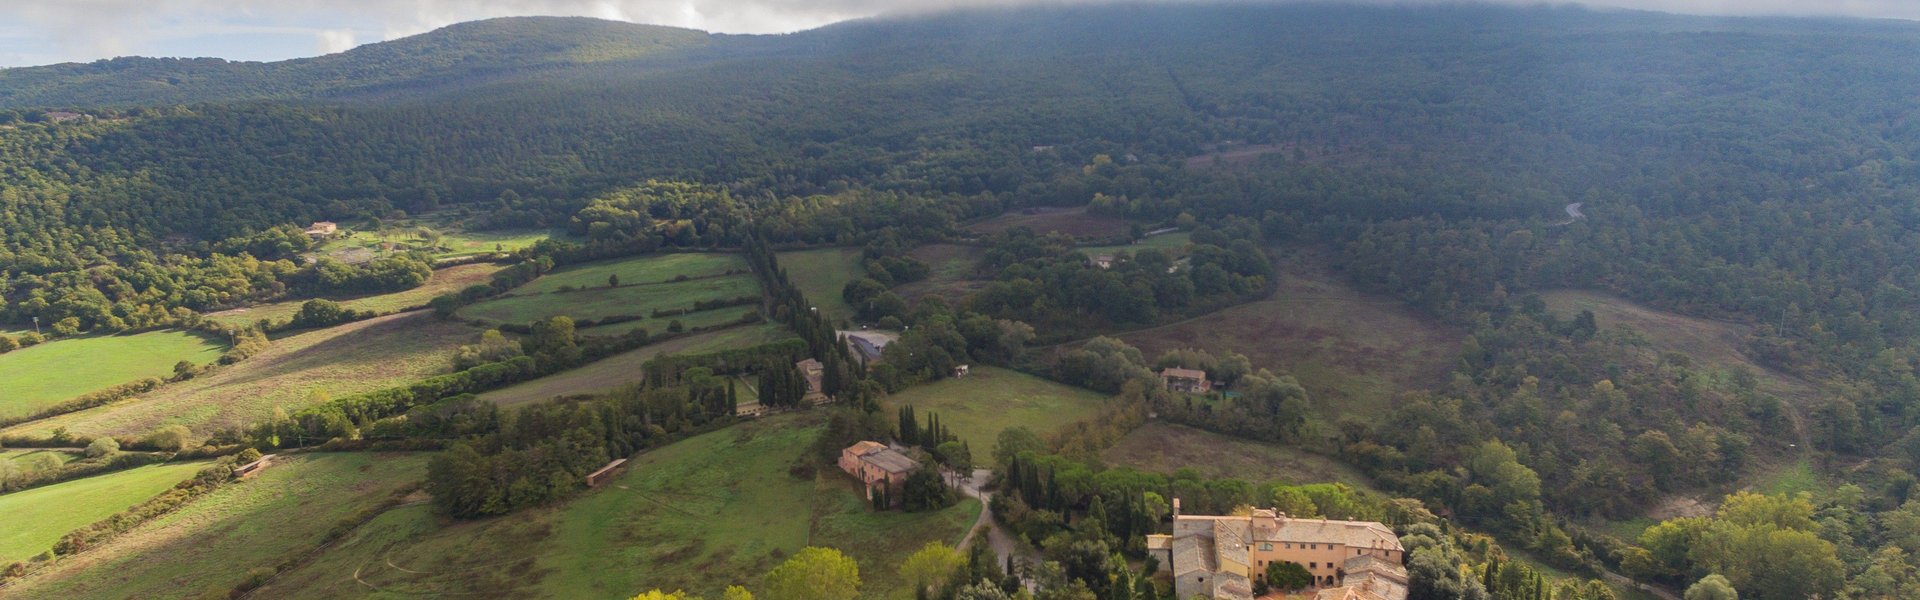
point(1266, 546)
point(1313, 565)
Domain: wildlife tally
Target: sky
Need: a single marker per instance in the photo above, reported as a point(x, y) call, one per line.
point(36, 32)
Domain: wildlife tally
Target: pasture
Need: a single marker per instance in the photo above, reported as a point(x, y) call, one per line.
point(731, 315)
point(37, 517)
point(1352, 351)
point(950, 272)
point(32, 379)
point(1174, 244)
point(445, 281)
point(337, 361)
point(207, 547)
point(1166, 447)
point(360, 245)
point(1715, 343)
point(647, 284)
point(620, 369)
point(822, 274)
point(1071, 221)
point(643, 270)
point(978, 406)
point(716, 509)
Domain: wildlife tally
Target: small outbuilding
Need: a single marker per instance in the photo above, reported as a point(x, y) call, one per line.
point(601, 477)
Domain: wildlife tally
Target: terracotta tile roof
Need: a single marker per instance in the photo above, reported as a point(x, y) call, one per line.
point(890, 460)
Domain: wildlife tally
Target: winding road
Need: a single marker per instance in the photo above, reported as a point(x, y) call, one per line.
point(998, 538)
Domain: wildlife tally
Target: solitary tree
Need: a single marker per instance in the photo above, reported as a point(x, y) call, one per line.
point(1712, 587)
point(1289, 576)
point(815, 574)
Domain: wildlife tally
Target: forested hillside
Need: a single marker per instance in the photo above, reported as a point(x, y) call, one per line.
point(1760, 172)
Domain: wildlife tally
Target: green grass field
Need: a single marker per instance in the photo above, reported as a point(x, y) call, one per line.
point(822, 274)
point(716, 509)
point(655, 268)
point(36, 518)
point(1354, 352)
point(27, 455)
point(209, 545)
point(978, 406)
point(1166, 447)
point(949, 272)
point(448, 280)
point(339, 361)
point(612, 372)
point(707, 318)
point(359, 245)
point(645, 286)
point(35, 378)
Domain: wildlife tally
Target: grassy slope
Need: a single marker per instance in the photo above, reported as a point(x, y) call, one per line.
point(699, 514)
point(949, 271)
point(623, 368)
point(1173, 243)
point(598, 302)
point(1165, 447)
point(694, 320)
point(24, 455)
point(1354, 352)
point(657, 268)
point(344, 360)
point(448, 280)
point(1071, 221)
point(35, 378)
point(1710, 342)
point(212, 542)
point(822, 274)
point(452, 243)
point(37, 517)
point(978, 406)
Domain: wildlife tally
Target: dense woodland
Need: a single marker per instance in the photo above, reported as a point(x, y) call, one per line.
point(1757, 171)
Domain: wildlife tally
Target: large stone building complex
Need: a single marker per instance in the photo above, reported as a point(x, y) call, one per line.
point(1222, 556)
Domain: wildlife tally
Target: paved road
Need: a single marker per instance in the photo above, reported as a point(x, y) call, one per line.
point(998, 538)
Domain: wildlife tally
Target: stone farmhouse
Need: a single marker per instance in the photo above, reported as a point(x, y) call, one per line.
point(1191, 381)
point(815, 373)
point(878, 466)
point(323, 229)
point(1221, 557)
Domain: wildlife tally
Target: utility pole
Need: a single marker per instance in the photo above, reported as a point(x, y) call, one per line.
point(36, 325)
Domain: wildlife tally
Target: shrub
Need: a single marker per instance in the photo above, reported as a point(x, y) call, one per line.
point(102, 447)
point(172, 438)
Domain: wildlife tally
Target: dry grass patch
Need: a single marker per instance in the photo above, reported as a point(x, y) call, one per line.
point(1353, 351)
point(339, 361)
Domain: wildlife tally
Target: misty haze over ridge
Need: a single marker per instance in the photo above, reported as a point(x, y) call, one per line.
point(36, 32)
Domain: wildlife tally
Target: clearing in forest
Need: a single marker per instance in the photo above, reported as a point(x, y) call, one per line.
point(1352, 351)
point(38, 377)
point(950, 272)
point(35, 518)
point(1165, 447)
point(1173, 243)
point(337, 361)
point(1711, 342)
point(646, 284)
point(208, 547)
point(699, 514)
point(1042, 220)
point(445, 281)
point(620, 369)
point(976, 407)
point(822, 274)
